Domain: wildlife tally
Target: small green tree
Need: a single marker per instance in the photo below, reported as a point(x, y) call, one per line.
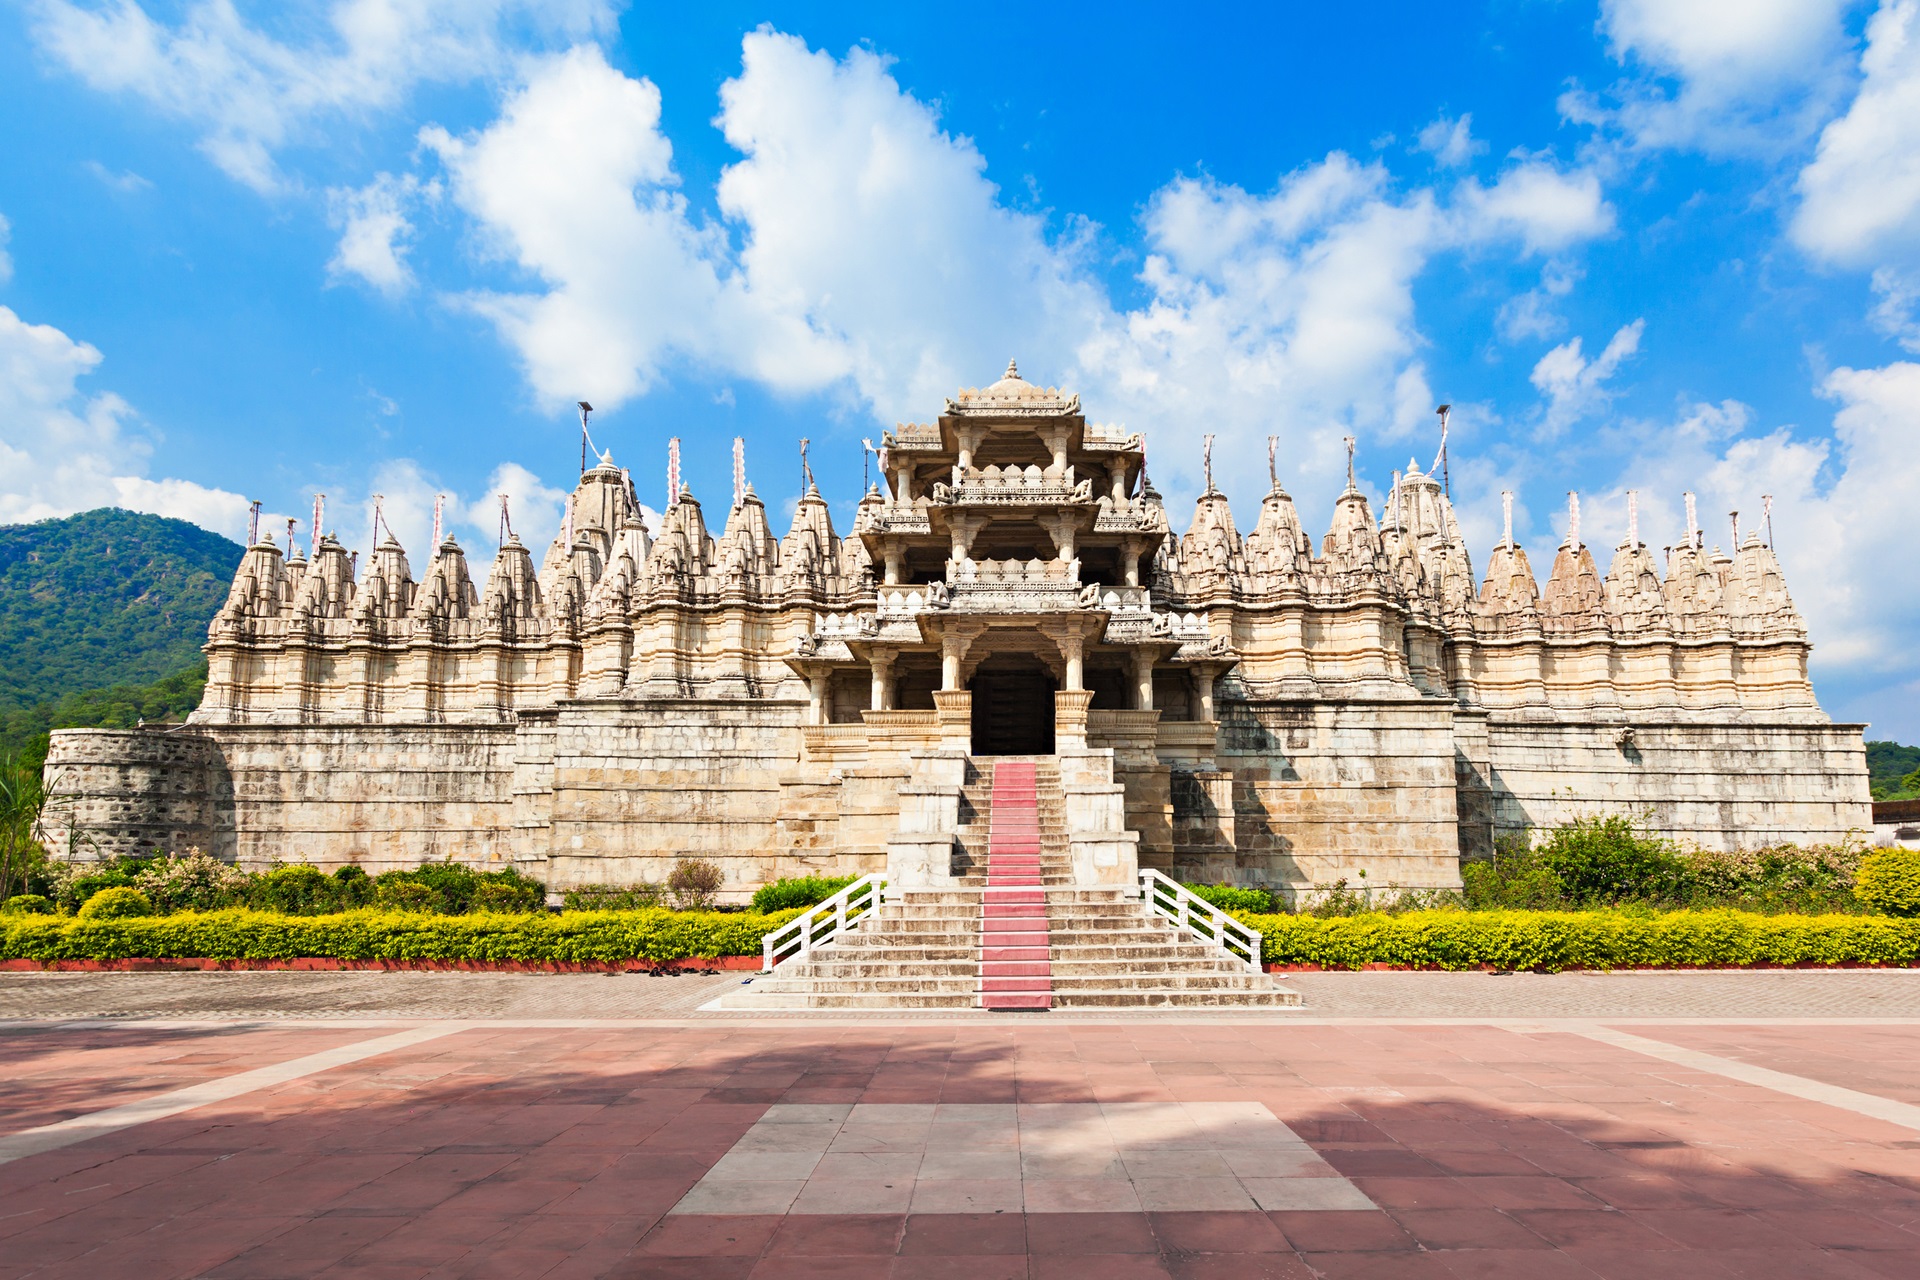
point(693, 883)
point(1611, 859)
point(23, 799)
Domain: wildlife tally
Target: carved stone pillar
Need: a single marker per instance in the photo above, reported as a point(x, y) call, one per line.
point(819, 709)
point(882, 680)
point(1142, 680)
point(1204, 674)
point(954, 710)
point(967, 439)
point(1130, 561)
point(1070, 719)
point(1055, 438)
point(895, 554)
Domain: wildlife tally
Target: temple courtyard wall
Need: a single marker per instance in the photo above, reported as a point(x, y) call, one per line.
point(1287, 795)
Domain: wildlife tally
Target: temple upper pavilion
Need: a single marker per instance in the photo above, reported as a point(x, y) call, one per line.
point(1218, 705)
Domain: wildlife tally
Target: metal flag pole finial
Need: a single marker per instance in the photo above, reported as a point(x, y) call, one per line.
point(506, 525)
point(290, 523)
point(1445, 411)
point(739, 470)
point(1506, 518)
point(866, 474)
point(1351, 483)
point(585, 409)
point(806, 468)
point(1766, 508)
point(253, 522)
point(673, 470)
point(1273, 471)
point(1206, 459)
point(1734, 516)
point(313, 534)
point(378, 499)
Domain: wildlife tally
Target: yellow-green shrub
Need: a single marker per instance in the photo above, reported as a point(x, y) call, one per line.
point(123, 902)
point(1889, 879)
point(1555, 940)
point(574, 937)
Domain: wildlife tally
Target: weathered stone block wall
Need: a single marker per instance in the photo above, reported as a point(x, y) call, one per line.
point(1724, 785)
point(1323, 791)
point(380, 797)
point(639, 785)
point(117, 792)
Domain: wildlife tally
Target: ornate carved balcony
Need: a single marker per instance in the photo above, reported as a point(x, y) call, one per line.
point(1012, 486)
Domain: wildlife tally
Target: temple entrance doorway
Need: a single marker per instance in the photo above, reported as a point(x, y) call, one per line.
point(1012, 707)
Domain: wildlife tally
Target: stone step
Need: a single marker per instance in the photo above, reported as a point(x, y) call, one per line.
point(1278, 998)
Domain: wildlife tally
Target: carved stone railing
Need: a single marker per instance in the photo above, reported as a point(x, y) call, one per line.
point(1116, 599)
point(1134, 517)
point(900, 518)
point(1012, 486)
point(907, 601)
point(1013, 572)
point(916, 436)
point(1103, 438)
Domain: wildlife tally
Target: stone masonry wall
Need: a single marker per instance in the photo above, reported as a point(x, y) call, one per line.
point(639, 785)
point(118, 792)
point(1323, 791)
point(1715, 785)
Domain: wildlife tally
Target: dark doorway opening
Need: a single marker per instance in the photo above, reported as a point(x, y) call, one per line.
point(1012, 709)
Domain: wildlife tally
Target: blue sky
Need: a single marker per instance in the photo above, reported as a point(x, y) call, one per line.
point(264, 251)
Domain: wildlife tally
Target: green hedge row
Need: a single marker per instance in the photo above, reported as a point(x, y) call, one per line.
point(574, 937)
point(1419, 939)
point(1555, 940)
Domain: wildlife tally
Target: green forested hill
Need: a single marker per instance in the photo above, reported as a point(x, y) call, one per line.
point(104, 598)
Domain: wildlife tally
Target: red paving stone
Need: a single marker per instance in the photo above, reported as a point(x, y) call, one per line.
point(558, 1152)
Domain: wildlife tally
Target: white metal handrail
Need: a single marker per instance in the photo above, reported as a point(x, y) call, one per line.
point(824, 923)
point(1193, 914)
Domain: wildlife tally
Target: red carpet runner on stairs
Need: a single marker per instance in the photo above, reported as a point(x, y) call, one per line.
point(1016, 968)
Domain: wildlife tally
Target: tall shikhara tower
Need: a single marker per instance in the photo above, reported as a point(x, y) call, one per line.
point(1252, 708)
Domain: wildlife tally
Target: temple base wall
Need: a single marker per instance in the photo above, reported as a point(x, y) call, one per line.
point(1287, 795)
point(637, 786)
point(1712, 785)
point(382, 797)
point(1318, 792)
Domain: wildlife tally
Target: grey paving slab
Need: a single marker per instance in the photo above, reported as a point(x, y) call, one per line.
point(1762, 994)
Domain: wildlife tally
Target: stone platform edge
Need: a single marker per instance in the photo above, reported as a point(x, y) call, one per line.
point(328, 963)
point(1376, 966)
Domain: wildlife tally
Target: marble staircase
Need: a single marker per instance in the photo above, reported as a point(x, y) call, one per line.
point(1013, 931)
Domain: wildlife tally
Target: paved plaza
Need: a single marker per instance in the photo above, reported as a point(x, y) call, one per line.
point(461, 1125)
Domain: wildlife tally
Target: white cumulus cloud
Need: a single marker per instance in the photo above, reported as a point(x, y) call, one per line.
point(1719, 75)
point(250, 94)
point(1451, 142)
point(1545, 207)
point(1574, 385)
point(1860, 195)
point(62, 450)
point(864, 250)
point(375, 228)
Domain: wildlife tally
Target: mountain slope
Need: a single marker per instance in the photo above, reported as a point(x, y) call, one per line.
point(105, 598)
